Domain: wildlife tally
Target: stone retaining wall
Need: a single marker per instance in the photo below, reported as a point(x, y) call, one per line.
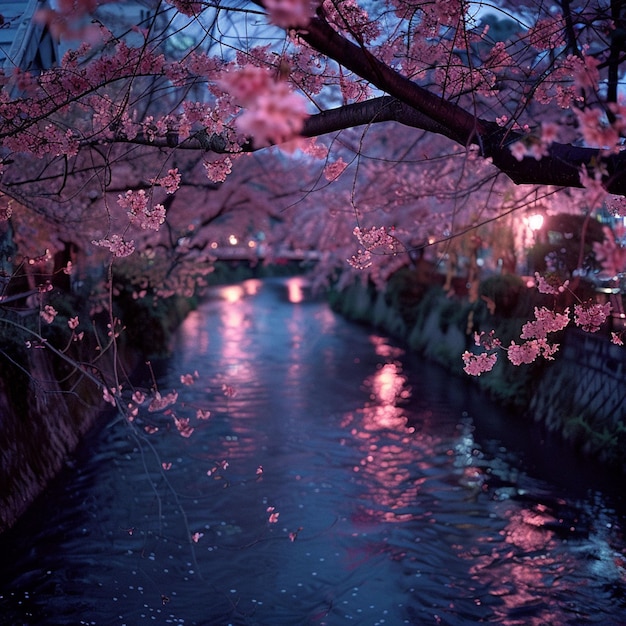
point(581, 394)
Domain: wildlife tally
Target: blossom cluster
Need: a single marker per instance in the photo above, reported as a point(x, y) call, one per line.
point(187, 7)
point(546, 321)
point(550, 284)
point(170, 182)
point(117, 245)
point(589, 316)
point(373, 240)
point(48, 313)
point(333, 170)
point(476, 364)
point(139, 212)
point(529, 351)
point(290, 13)
point(273, 113)
point(218, 169)
point(610, 255)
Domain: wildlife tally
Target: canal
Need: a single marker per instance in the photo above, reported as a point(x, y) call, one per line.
point(325, 477)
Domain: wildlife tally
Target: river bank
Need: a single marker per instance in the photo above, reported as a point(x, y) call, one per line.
point(580, 396)
point(50, 398)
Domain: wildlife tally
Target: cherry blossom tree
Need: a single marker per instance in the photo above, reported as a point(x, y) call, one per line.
point(399, 126)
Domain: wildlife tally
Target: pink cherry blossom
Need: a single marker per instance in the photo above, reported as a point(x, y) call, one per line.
point(187, 379)
point(590, 317)
point(117, 245)
point(290, 13)
point(596, 129)
point(108, 395)
point(477, 364)
point(549, 132)
point(276, 116)
point(218, 169)
point(333, 170)
point(273, 517)
point(183, 427)
point(170, 182)
point(48, 313)
point(610, 255)
point(245, 84)
point(550, 284)
point(488, 341)
point(229, 391)
point(524, 353)
point(139, 397)
point(6, 210)
point(139, 211)
point(361, 260)
point(546, 321)
point(519, 150)
point(616, 205)
point(547, 34)
point(159, 402)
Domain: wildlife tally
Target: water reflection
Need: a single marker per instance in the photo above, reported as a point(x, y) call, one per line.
point(295, 289)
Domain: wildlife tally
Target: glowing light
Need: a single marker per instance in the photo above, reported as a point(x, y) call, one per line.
point(535, 221)
point(232, 240)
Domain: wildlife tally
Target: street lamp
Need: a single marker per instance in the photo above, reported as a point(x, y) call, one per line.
point(535, 222)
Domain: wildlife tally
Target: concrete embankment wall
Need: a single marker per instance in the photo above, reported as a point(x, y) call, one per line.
point(581, 395)
point(41, 423)
point(47, 405)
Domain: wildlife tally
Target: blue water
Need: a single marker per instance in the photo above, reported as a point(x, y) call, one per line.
point(338, 480)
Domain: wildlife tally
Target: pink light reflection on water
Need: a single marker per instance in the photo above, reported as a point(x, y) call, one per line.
point(524, 568)
point(385, 439)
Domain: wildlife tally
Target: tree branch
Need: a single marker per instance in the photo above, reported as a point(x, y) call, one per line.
point(430, 112)
point(560, 168)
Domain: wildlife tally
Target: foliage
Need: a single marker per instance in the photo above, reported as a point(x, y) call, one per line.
point(603, 442)
point(404, 292)
point(507, 294)
point(90, 149)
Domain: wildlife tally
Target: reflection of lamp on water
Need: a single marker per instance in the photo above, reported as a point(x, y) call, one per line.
point(295, 292)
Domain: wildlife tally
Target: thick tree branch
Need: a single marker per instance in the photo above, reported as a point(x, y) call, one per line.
point(560, 168)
